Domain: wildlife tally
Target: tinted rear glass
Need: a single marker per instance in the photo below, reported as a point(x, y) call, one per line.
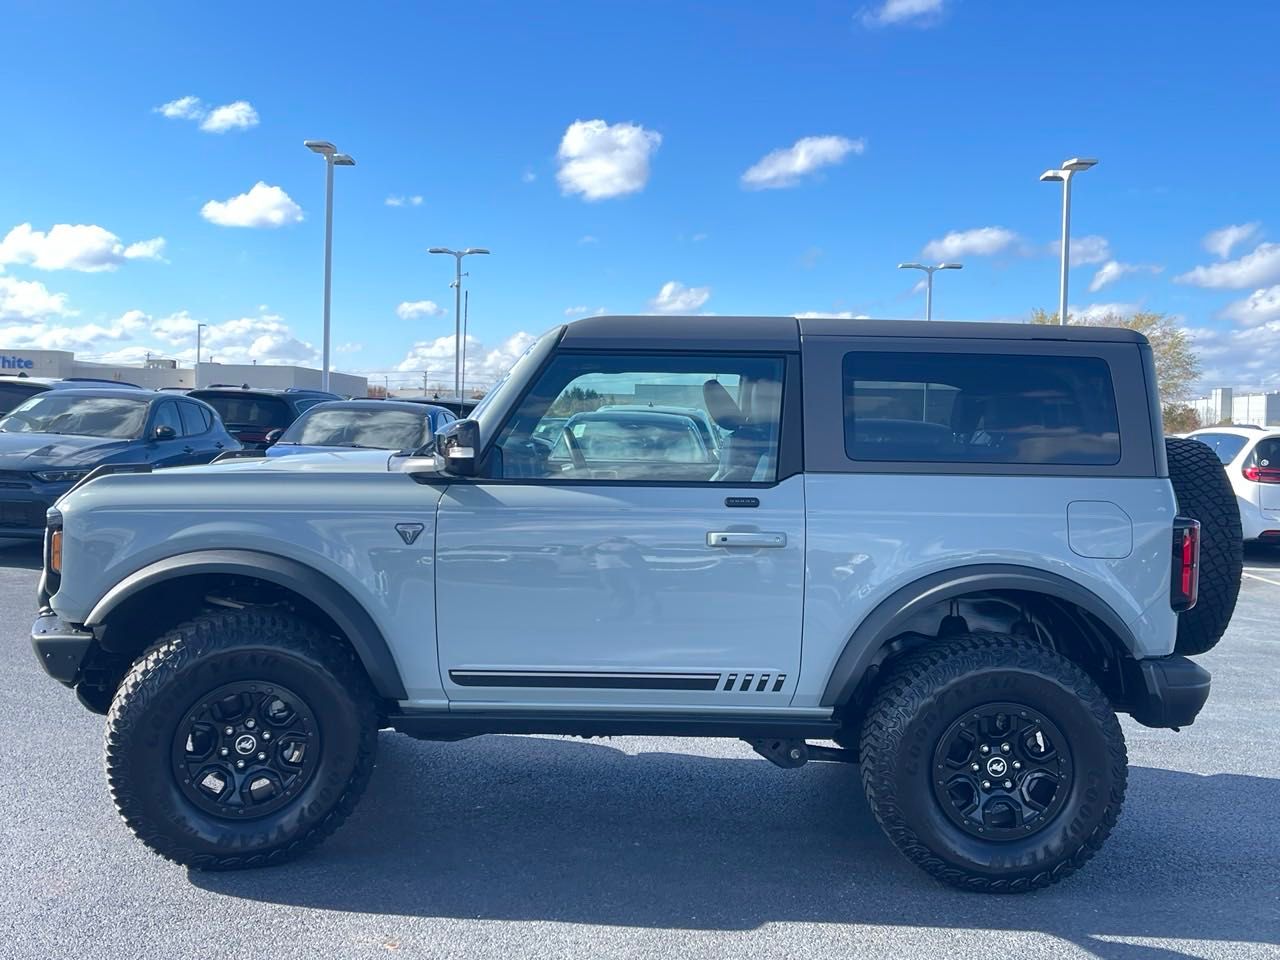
point(251, 410)
point(1225, 445)
point(1267, 452)
point(979, 408)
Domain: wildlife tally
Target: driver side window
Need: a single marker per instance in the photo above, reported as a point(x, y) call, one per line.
point(655, 419)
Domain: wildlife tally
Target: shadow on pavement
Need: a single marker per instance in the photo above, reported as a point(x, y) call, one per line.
point(515, 828)
point(1259, 557)
point(21, 554)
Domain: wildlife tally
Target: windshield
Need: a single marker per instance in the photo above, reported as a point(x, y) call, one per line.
point(380, 429)
point(114, 417)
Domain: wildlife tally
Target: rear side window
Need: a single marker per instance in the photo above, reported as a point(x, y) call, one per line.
point(193, 419)
point(1266, 453)
point(979, 408)
point(12, 394)
point(1225, 445)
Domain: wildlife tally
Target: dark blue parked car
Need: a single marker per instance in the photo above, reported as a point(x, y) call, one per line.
point(367, 424)
point(52, 440)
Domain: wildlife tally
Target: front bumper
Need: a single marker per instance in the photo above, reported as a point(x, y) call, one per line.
point(22, 513)
point(60, 647)
point(1170, 691)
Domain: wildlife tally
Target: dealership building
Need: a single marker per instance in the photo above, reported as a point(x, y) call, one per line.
point(161, 372)
point(1225, 405)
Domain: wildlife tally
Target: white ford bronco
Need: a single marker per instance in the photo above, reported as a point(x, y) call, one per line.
point(950, 553)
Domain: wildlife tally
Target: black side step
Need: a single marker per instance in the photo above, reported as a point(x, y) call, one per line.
point(435, 725)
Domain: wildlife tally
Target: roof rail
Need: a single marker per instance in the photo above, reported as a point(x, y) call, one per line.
point(117, 383)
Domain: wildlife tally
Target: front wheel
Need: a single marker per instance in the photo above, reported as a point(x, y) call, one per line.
point(241, 739)
point(993, 763)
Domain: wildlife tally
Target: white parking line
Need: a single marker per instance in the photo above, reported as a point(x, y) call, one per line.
point(1254, 576)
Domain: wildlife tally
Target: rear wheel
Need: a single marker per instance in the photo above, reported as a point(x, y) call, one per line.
point(1204, 493)
point(241, 739)
point(993, 763)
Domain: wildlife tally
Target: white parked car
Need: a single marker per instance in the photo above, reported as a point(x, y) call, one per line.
point(1252, 458)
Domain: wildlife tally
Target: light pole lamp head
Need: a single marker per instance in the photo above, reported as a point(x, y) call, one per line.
point(1076, 164)
point(949, 266)
point(470, 250)
point(912, 266)
point(441, 250)
point(343, 160)
point(1054, 175)
point(322, 147)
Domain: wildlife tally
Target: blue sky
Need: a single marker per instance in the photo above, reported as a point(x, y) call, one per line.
point(599, 149)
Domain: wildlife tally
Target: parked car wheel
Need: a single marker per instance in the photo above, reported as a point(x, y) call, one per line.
point(993, 763)
point(1204, 493)
point(241, 739)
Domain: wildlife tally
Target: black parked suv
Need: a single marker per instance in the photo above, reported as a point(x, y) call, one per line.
point(252, 413)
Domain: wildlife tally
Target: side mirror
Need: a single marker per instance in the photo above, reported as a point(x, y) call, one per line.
point(273, 436)
point(458, 445)
point(164, 432)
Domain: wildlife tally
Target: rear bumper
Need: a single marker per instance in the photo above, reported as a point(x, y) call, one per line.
point(60, 647)
point(1170, 691)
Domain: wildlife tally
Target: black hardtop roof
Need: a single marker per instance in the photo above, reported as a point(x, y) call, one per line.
point(131, 393)
point(268, 391)
point(761, 334)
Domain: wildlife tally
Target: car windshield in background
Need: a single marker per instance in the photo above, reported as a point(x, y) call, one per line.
point(255, 411)
point(1225, 445)
point(380, 429)
point(114, 417)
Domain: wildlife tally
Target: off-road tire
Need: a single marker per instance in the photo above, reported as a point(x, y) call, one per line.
point(200, 655)
point(927, 692)
point(1204, 493)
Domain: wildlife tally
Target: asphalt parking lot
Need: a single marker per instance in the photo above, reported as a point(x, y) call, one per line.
point(548, 847)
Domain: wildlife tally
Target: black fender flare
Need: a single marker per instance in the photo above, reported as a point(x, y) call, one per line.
point(336, 602)
point(886, 620)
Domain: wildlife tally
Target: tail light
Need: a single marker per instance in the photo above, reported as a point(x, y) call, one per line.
point(1262, 474)
point(1184, 584)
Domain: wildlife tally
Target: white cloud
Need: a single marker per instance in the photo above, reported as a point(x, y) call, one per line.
point(588, 238)
point(26, 301)
point(583, 311)
point(1222, 241)
point(262, 206)
point(1088, 249)
point(675, 297)
point(918, 12)
point(84, 247)
point(1261, 306)
point(349, 347)
point(978, 242)
point(1255, 269)
point(1094, 311)
point(1245, 357)
point(1113, 270)
point(232, 116)
point(786, 166)
point(528, 176)
point(184, 108)
point(699, 237)
point(239, 115)
point(485, 364)
point(600, 160)
point(265, 339)
point(81, 337)
point(399, 200)
point(413, 309)
point(831, 315)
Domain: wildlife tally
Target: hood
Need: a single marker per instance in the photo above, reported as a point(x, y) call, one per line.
point(297, 449)
point(330, 461)
point(33, 451)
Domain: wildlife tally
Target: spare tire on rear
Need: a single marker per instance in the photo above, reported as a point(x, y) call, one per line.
point(1204, 493)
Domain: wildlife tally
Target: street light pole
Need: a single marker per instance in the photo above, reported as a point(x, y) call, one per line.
point(331, 159)
point(195, 373)
point(928, 285)
point(458, 347)
point(1069, 169)
point(466, 309)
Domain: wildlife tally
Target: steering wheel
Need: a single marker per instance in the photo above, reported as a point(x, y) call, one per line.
point(575, 450)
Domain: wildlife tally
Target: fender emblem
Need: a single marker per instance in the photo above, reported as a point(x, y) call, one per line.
point(409, 532)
